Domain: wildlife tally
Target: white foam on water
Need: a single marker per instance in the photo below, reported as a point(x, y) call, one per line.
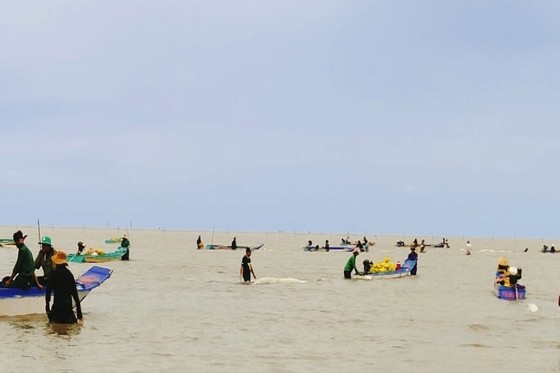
point(533, 307)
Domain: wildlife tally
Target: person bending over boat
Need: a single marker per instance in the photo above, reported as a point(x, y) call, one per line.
point(413, 255)
point(44, 260)
point(63, 285)
point(351, 264)
point(126, 244)
point(246, 267)
point(23, 274)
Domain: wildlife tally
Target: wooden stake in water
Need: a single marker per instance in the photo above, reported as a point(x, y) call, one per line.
point(39, 231)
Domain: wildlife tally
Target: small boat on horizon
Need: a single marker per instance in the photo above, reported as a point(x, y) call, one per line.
point(226, 247)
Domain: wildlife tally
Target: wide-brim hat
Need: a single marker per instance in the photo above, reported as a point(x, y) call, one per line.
point(46, 240)
point(59, 258)
point(18, 235)
point(503, 261)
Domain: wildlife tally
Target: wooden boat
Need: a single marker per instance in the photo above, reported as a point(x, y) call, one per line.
point(6, 242)
point(336, 248)
point(402, 272)
point(112, 240)
point(97, 258)
point(17, 302)
point(224, 247)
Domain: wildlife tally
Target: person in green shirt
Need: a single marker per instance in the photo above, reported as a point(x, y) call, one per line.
point(23, 274)
point(44, 260)
point(351, 264)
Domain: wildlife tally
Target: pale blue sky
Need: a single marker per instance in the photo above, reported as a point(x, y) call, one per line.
point(385, 117)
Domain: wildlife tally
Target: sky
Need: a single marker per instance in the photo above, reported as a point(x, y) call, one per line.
point(379, 117)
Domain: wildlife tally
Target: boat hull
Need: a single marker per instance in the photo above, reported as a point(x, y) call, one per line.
point(403, 272)
point(518, 292)
point(340, 248)
point(17, 302)
point(224, 247)
point(100, 258)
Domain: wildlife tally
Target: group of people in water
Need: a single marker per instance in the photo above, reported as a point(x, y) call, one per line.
point(351, 264)
point(56, 277)
point(362, 246)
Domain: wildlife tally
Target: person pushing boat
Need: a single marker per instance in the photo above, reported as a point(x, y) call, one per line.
point(247, 267)
point(351, 264)
point(413, 256)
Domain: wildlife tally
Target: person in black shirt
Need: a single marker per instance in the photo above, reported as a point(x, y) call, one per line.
point(234, 244)
point(246, 267)
point(63, 285)
point(126, 244)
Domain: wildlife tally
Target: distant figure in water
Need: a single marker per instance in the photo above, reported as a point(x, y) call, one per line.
point(199, 244)
point(246, 267)
point(468, 247)
point(234, 244)
point(413, 256)
point(81, 248)
point(327, 247)
point(126, 244)
point(422, 247)
point(360, 246)
point(552, 249)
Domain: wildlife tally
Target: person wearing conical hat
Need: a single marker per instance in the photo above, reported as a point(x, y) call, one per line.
point(44, 259)
point(63, 285)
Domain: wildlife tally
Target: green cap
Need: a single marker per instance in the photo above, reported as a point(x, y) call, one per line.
point(46, 240)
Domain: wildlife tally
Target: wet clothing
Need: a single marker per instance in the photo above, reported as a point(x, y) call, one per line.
point(64, 286)
point(246, 265)
point(44, 260)
point(23, 269)
point(126, 244)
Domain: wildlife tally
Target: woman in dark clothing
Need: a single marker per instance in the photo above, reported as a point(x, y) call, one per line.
point(64, 286)
point(413, 256)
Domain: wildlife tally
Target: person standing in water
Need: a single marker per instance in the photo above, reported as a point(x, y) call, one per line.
point(413, 256)
point(126, 244)
point(351, 264)
point(234, 243)
point(468, 247)
point(199, 244)
point(246, 267)
point(63, 285)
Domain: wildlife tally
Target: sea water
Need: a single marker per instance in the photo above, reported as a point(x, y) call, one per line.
point(175, 308)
